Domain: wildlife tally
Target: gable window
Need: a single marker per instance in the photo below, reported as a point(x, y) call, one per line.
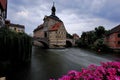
point(119, 35)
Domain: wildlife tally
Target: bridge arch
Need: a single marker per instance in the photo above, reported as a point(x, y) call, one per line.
point(68, 43)
point(42, 42)
point(45, 45)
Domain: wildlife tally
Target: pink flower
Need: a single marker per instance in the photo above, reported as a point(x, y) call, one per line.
point(111, 71)
point(117, 78)
point(65, 78)
point(107, 71)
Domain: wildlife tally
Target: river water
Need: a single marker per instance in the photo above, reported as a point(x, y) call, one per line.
point(53, 63)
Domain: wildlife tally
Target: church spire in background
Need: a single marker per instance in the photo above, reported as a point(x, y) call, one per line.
point(53, 9)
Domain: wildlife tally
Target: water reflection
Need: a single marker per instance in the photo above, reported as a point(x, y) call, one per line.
point(50, 63)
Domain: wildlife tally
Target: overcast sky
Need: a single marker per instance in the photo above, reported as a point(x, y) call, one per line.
point(78, 15)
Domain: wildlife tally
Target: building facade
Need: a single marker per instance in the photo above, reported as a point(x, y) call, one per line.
point(53, 29)
point(113, 38)
point(15, 27)
point(3, 12)
point(57, 35)
point(75, 36)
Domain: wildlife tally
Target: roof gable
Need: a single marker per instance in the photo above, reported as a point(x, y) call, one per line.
point(39, 27)
point(115, 29)
point(53, 17)
point(16, 25)
point(75, 35)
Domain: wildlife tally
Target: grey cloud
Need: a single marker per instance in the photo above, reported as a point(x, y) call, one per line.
point(81, 14)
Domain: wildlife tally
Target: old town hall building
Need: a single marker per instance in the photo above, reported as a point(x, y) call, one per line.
point(53, 29)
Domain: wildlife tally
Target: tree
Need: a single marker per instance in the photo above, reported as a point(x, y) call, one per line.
point(100, 31)
point(69, 36)
point(88, 38)
point(82, 42)
point(15, 48)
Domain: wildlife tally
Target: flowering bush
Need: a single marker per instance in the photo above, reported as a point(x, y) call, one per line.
point(107, 71)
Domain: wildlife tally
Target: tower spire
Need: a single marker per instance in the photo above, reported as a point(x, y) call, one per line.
point(53, 3)
point(53, 9)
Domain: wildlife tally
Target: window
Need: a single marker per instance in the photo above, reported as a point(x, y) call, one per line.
point(119, 35)
point(45, 34)
point(15, 29)
point(0, 11)
point(119, 42)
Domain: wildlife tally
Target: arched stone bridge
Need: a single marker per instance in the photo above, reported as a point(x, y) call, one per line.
point(70, 42)
point(45, 42)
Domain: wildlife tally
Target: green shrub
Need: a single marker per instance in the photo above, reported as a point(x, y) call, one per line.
point(14, 47)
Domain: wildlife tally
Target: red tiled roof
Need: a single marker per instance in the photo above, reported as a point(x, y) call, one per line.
point(115, 29)
point(55, 27)
point(75, 35)
point(3, 3)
